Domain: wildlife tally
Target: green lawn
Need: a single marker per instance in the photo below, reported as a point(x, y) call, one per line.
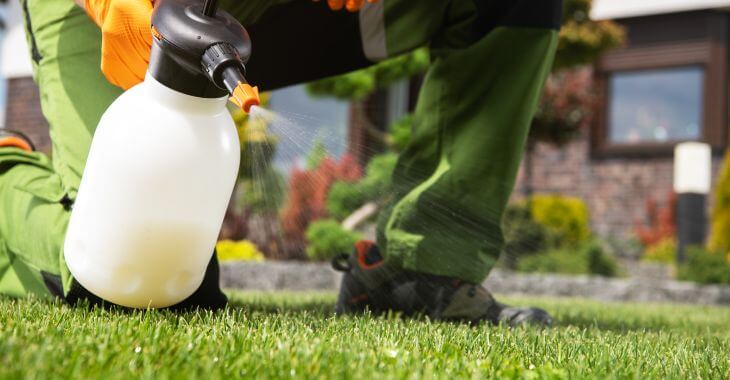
point(295, 335)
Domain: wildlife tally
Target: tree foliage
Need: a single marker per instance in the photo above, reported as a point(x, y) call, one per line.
point(359, 84)
point(566, 108)
point(582, 40)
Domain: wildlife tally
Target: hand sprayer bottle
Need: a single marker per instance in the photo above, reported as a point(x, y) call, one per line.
point(163, 163)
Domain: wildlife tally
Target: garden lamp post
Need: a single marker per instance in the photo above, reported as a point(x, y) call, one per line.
point(692, 168)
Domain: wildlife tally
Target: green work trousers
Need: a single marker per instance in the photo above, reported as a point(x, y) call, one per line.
point(451, 184)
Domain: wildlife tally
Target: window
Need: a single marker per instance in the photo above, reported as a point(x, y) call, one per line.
point(655, 106)
point(655, 95)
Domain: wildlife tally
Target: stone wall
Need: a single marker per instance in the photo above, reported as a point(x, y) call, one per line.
point(615, 189)
point(24, 112)
point(297, 276)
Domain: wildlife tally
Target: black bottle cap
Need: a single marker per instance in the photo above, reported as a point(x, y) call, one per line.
point(196, 46)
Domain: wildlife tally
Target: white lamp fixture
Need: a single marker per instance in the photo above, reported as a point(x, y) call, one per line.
point(692, 177)
point(692, 168)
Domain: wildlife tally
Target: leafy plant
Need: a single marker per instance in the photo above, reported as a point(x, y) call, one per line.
point(345, 197)
point(582, 39)
point(720, 237)
point(705, 267)
point(661, 221)
point(308, 190)
point(359, 84)
point(663, 251)
point(555, 261)
point(599, 261)
point(565, 218)
point(523, 235)
point(566, 108)
point(244, 250)
point(327, 238)
point(589, 258)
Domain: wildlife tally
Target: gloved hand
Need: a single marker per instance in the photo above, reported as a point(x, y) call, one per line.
point(126, 38)
point(351, 5)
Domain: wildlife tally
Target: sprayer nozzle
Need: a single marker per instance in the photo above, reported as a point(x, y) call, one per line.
point(244, 96)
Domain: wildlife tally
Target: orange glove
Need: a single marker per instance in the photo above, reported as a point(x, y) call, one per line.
point(351, 5)
point(126, 38)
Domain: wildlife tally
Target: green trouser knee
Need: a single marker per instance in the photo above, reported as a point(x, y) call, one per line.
point(454, 180)
point(32, 204)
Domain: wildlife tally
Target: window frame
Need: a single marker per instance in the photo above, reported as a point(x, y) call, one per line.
point(706, 54)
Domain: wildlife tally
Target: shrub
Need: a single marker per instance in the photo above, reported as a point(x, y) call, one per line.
point(720, 237)
point(554, 261)
point(565, 218)
point(705, 267)
point(589, 258)
point(244, 250)
point(327, 238)
point(308, 191)
point(346, 197)
point(378, 175)
point(567, 106)
point(661, 222)
point(599, 261)
point(664, 251)
point(522, 234)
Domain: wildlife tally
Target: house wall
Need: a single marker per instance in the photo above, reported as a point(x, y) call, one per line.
point(616, 183)
point(615, 189)
point(23, 112)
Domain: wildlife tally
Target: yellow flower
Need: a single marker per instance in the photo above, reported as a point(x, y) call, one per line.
point(244, 250)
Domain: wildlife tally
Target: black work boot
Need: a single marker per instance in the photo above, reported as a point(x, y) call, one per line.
point(369, 283)
point(15, 139)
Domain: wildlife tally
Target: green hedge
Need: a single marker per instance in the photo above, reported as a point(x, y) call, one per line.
point(589, 258)
point(327, 239)
point(705, 267)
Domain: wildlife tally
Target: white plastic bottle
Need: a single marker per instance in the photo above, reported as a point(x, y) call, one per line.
point(163, 163)
point(157, 182)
